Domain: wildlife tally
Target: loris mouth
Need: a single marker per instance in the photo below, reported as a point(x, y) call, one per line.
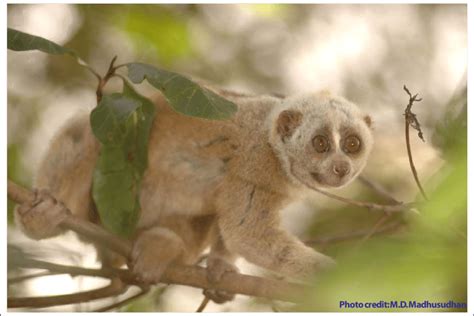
point(317, 176)
point(324, 181)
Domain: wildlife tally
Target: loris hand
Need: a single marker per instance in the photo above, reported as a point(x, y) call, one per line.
point(40, 218)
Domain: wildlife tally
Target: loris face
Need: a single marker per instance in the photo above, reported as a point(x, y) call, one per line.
point(324, 141)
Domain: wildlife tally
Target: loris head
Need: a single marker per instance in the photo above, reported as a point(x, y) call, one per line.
point(322, 140)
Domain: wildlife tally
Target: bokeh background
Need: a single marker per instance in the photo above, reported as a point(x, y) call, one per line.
point(363, 52)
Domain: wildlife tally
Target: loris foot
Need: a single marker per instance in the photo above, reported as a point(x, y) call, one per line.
point(153, 251)
point(216, 268)
point(40, 218)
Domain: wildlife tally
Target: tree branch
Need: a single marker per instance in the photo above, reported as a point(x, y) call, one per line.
point(143, 291)
point(23, 278)
point(411, 120)
point(389, 208)
point(114, 288)
point(355, 235)
point(379, 190)
point(184, 275)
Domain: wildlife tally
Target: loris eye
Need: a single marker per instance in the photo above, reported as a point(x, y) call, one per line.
point(351, 144)
point(321, 143)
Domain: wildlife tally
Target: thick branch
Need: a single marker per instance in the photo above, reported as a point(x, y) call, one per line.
point(183, 275)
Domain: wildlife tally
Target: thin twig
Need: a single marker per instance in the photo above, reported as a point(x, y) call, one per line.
point(354, 235)
point(120, 66)
point(144, 291)
point(104, 272)
point(390, 208)
point(203, 305)
point(369, 205)
point(411, 120)
point(377, 225)
point(23, 278)
point(88, 67)
point(114, 288)
point(379, 190)
point(103, 81)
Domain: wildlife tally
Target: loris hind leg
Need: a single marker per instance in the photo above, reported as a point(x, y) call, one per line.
point(177, 240)
point(153, 251)
point(219, 262)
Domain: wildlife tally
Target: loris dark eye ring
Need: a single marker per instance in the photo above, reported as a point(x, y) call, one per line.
point(321, 143)
point(351, 144)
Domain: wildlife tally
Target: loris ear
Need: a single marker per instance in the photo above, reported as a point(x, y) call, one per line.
point(287, 122)
point(368, 121)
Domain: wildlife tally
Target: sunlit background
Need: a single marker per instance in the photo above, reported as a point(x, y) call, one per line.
point(363, 52)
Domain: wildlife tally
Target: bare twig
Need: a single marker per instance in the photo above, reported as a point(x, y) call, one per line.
point(379, 190)
point(114, 288)
point(103, 81)
point(411, 120)
point(390, 208)
point(108, 273)
point(23, 278)
point(144, 291)
point(203, 305)
point(179, 274)
point(86, 65)
point(355, 235)
point(369, 205)
point(377, 225)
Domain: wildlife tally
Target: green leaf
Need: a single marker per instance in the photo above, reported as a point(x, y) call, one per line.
point(183, 95)
point(107, 119)
point(122, 123)
point(115, 191)
point(20, 41)
point(145, 114)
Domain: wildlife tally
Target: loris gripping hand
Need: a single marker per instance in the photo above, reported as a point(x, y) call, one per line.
point(40, 217)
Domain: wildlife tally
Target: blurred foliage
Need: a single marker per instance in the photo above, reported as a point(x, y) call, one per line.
point(268, 9)
point(427, 262)
point(154, 26)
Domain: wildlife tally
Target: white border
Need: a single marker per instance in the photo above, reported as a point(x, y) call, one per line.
point(3, 161)
point(3, 141)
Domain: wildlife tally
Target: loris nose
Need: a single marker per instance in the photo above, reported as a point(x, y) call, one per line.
point(341, 168)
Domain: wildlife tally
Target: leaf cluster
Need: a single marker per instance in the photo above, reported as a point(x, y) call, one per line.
point(122, 121)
